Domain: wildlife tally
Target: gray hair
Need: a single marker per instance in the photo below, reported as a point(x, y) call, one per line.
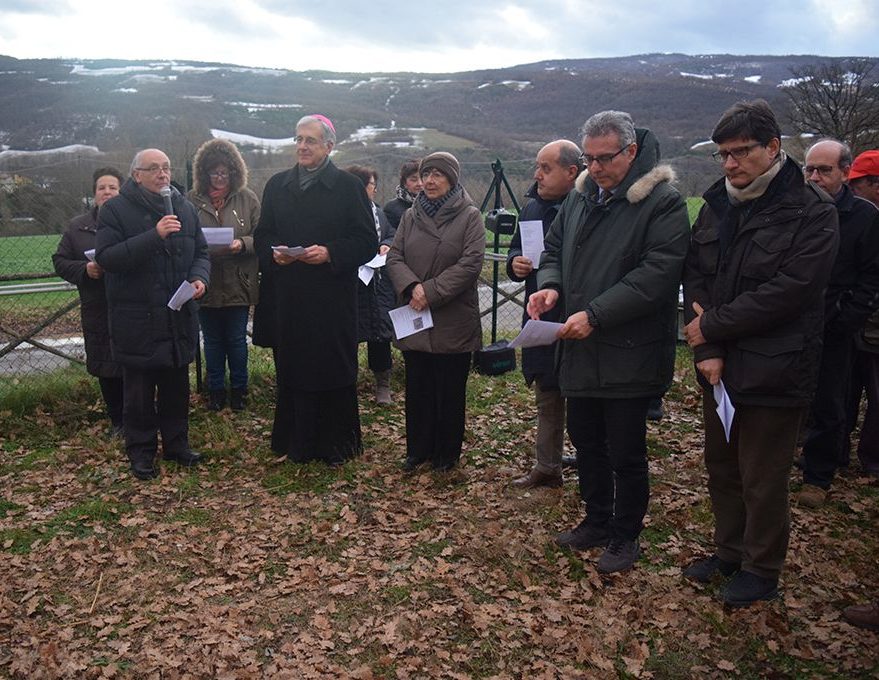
point(328, 132)
point(135, 162)
point(610, 122)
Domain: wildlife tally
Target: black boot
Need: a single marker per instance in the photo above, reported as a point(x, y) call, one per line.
point(217, 400)
point(142, 466)
point(238, 399)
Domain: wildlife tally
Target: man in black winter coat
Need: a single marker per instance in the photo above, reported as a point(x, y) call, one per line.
point(852, 296)
point(558, 164)
point(760, 258)
point(146, 255)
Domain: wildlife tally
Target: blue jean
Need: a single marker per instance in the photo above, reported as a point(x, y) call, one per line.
point(225, 338)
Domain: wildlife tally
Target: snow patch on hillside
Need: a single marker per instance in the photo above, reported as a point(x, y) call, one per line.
point(271, 145)
point(8, 153)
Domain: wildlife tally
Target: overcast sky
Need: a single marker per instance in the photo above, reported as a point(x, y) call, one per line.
point(437, 36)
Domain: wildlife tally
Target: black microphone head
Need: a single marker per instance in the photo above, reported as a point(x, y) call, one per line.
point(165, 193)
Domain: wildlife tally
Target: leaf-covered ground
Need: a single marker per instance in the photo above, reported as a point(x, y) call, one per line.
point(249, 567)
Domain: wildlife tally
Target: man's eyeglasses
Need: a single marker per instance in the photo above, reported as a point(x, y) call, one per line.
point(588, 160)
point(155, 169)
point(823, 170)
point(308, 141)
point(738, 153)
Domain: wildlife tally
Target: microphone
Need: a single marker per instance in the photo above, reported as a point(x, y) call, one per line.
point(165, 193)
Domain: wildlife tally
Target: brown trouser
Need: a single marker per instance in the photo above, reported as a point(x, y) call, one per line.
point(550, 429)
point(748, 483)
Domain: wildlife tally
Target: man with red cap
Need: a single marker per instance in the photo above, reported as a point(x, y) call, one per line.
point(863, 178)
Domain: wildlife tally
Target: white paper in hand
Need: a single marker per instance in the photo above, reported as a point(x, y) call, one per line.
point(292, 251)
point(725, 409)
point(218, 236)
point(536, 333)
point(89, 254)
point(365, 273)
point(408, 322)
point(181, 296)
point(531, 233)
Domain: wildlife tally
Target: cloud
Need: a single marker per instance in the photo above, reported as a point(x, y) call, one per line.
point(455, 35)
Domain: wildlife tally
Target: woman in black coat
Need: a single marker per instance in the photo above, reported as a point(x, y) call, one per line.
point(376, 299)
point(407, 190)
point(73, 265)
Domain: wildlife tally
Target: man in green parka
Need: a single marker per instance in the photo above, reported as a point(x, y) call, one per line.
point(613, 260)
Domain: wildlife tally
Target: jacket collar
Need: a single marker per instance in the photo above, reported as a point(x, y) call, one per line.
point(780, 193)
point(328, 176)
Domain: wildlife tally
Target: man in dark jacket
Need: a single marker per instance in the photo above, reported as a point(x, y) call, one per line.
point(760, 257)
point(613, 260)
point(852, 295)
point(558, 165)
point(147, 254)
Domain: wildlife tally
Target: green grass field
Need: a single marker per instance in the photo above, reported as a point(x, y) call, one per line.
point(27, 254)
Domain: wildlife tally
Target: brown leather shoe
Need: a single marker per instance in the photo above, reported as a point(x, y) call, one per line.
point(537, 478)
point(863, 615)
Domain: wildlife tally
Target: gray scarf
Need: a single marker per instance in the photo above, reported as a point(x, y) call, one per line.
point(307, 176)
point(758, 187)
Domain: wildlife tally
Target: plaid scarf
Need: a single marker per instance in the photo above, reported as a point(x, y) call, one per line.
point(433, 207)
point(404, 195)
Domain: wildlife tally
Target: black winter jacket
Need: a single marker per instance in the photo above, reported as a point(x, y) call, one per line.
point(70, 264)
point(537, 362)
point(142, 272)
point(764, 299)
point(853, 291)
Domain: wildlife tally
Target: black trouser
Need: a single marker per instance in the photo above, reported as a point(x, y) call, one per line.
point(610, 436)
point(156, 400)
point(436, 394)
point(378, 356)
point(824, 442)
point(111, 390)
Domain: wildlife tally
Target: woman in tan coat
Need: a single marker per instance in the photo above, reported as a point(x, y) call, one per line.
point(435, 262)
point(223, 200)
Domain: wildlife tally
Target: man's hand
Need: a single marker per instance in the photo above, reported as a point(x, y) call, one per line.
point(541, 302)
point(315, 255)
point(693, 331)
point(94, 270)
point(521, 266)
point(383, 249)
point(418, 301)
point(577, 327)
point(200, 288)
point(711, 369)
point(168, 225)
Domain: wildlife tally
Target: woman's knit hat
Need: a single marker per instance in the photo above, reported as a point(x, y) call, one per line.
point(443, 161)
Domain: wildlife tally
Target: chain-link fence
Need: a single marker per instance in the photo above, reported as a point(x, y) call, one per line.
point(40, 330)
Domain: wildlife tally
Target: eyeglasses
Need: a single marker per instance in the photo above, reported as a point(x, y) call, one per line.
point(308, 141)
point(738, 153)
point(431, 174)
point(156, 168)
point(219, 175)
point(588, 160)
point(823, 170)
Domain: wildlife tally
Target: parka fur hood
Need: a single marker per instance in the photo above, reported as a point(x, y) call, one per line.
point(642, 187)
point(213, 153)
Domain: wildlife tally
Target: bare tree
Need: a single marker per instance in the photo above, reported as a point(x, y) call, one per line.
point(836, 99)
